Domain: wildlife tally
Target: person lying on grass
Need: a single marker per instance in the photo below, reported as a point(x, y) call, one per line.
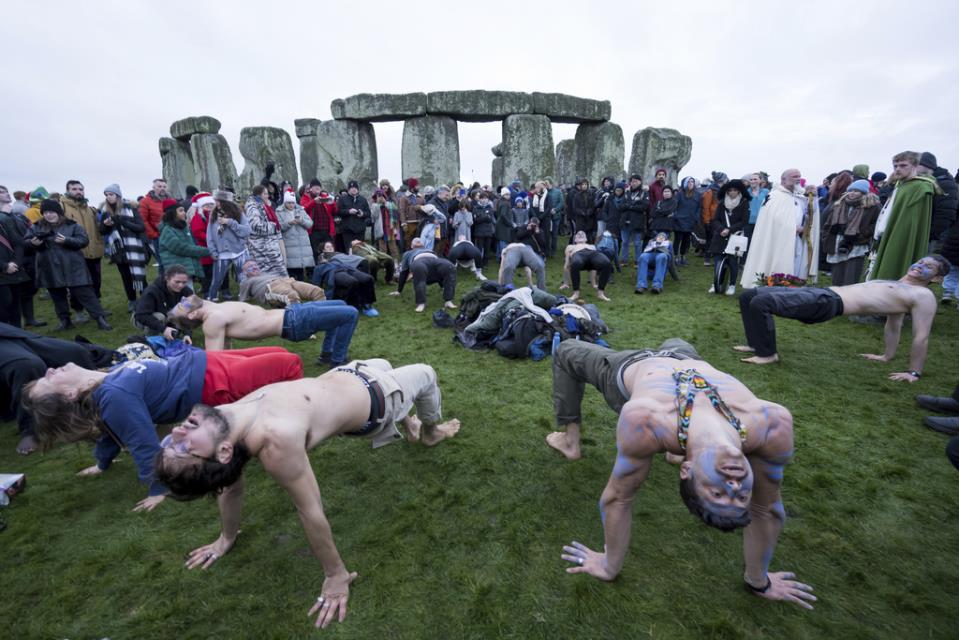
point(279, 424)
point(120, 408)
point(893, 299)
point(732, 445)
point(297, 322)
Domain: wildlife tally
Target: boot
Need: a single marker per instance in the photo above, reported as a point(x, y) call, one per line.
point(103, 325)
point(65, 324)
point(29, 318)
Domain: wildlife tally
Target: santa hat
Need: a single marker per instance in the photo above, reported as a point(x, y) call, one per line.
point(201, 199)
point(289, 196)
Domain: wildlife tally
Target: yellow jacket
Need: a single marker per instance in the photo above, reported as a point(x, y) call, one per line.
point(86, 216)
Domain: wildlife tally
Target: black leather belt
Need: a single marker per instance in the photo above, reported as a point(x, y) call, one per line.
point(377, 403)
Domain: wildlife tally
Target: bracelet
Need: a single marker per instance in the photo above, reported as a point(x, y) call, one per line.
point(749, 587)
point(915, 374)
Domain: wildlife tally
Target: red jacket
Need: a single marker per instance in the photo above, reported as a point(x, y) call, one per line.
point(198, 227)
point(322, 214)
point(151, 210)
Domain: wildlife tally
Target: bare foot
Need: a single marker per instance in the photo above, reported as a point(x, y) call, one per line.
point(420, 308)
point(439, 432)
point(27, 445)
point(449, 304)
point(744, 348)
point(413, 426)
point(674, 458)
point(602, 296)
point(762, 359)
point(558, 441)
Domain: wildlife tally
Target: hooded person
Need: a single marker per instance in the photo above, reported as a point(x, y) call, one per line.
point(786, 237)
point(688, 206)
point(710, 203)
point(125, 241)
point(847, 232)
point(732, 215)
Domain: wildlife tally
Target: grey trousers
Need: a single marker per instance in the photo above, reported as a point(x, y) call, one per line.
point(576, 363)
point(523, 257)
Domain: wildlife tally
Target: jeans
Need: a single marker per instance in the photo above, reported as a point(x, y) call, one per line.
point(625, 236)
point(557, 220)
point(221, 267)
point(661, 261)
point(334, 317)
point(155, 249)
point(950, 286)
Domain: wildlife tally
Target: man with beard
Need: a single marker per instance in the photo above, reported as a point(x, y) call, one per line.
point(76, 208)
point(151, 210)
point(786, 237)
point(355, 211)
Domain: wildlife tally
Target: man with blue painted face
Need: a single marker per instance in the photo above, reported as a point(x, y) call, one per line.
point(891, 298)
point(733, 448)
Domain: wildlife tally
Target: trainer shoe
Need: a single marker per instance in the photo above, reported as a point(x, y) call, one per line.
point(80, 317)
point(731, 290)
point(640, 291)
point(712, 289)
point(370, 312)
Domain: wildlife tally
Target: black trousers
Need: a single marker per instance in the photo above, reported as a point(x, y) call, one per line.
point(93, 268)
point(487, 247)
point(806, 304)
point(465, 252)
point(83, 296)
point(25, 359)
point(681, 242)
point(355, 288)
point(433, 271)
point(10, 304)
point(587, 260)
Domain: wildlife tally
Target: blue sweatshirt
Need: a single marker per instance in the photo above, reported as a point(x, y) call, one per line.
point(137, 395)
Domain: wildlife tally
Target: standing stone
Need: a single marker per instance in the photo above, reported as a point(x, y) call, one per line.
point(178, 168)
point(497, 181)
point(654, 148)
point(258, 145)
point(183, 129)
point(600, 151)
point(379, 107)
point(212, 161)
point(337, 151)
point(497, 149)
point(431, 150)
point(478, 105)
point(566, 162)
point(528, 148)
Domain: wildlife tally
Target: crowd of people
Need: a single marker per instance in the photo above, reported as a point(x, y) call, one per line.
point(311, 259)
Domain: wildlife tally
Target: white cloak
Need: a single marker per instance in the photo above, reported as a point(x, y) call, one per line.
point(775, 247)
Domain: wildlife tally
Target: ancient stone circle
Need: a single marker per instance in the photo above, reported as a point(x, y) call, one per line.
point(344, 148)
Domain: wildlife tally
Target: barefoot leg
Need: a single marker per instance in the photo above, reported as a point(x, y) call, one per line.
point(27, 445)
point(566, 442)
point(413, 427)
point(743, 348)
point(762, 359)
point(433, 434)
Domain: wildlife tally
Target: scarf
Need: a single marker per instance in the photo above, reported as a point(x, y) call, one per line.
point(731, 203)
point(126, 247)
point(271, 215)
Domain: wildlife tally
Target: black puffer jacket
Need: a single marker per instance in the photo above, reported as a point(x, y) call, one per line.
point(950, 248)
point(944, 206)
point(157, 298)
point(60, 265)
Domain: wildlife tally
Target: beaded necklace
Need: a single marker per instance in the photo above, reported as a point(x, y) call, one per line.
point(689, 382)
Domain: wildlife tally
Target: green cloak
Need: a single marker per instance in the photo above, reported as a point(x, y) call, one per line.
point(906, 239)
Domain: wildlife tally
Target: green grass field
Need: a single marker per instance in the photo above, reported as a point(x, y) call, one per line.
point(463, 540)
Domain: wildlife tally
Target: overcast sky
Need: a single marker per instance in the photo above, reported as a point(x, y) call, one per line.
point(92, 86)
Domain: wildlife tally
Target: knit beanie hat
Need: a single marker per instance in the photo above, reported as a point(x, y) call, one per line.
point(861, 171)
point(928, 160)
point(859, 185)
point(114, 189)
point(315, 183)
point(504, 192)
point(352, 184)
point(289, 196)
point(169, 203)
point(879, 176)
point(51, 205)
point(223, 194)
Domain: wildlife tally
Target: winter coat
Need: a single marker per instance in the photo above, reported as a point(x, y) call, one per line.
point(504, 221)
point(226, 235)
point(709, 204)
point(687, 210)
point(615, 208)
point(661, 218)
point(131, 225)
point(296, 237)
point(582, 211)
point(950, 247)
point(655, 193)
point(199, 223)
point(944, 205)
point(264, 240)
point(355, 224)
point(636, 208)
point(178, 247)
point(13, 253)
point(832, 229)
point(483, 220)
point(738, 218)
point(151, 211)
point(462, 224)
point(60, 265)
point(83, 214)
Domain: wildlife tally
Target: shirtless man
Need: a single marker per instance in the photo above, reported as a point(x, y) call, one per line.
point(581, 256)
point(426, 267)
point(732, 444)
point(241, 321)
point(893, 299)
point(279, 424)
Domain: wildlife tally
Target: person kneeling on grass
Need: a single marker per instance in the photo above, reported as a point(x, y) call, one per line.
point(893, 299)
point(733, 448)
point(581, 256)
point(297, 322)
point(426, 268)
point(279, 424)
point(119, 408)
